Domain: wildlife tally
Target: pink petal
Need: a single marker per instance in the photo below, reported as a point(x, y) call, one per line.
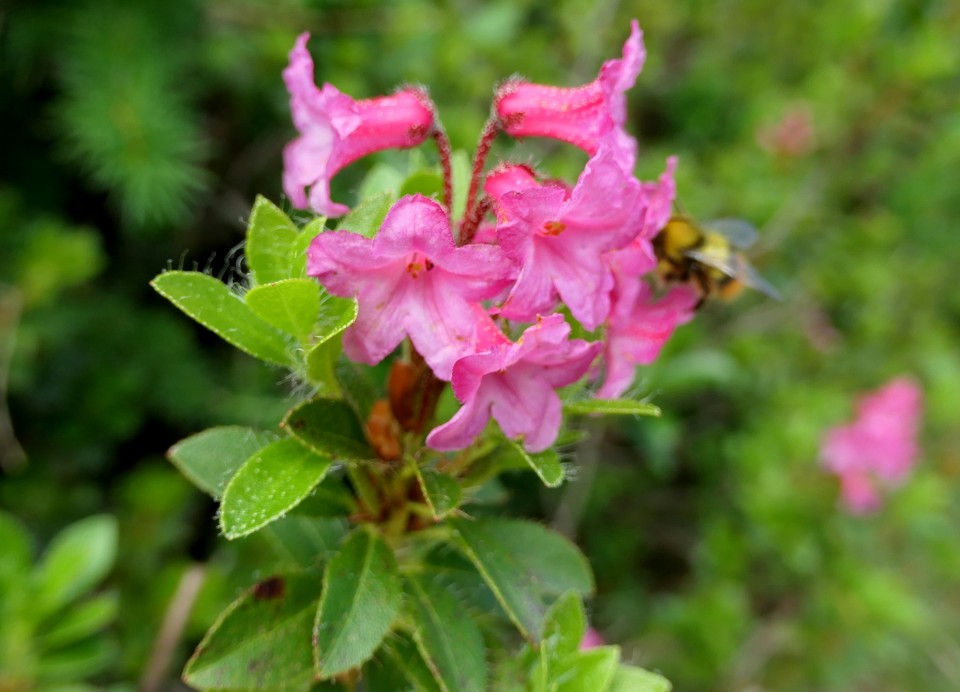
point(637, 335)
point(336, 130)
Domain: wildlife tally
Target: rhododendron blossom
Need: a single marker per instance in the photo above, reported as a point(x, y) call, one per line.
point(583, 116)
point(879, 448)
point(410, 280)
point(559, 242)
point(335, 130)
point(461, 289)
point(516, 384)
point(637, 331)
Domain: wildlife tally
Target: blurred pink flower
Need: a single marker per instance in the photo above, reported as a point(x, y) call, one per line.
point(335, 130)
point(792, 136)
point(583, 116)
point(411, 280)
point(879, 448)
point(516, 384)
point(591, 639)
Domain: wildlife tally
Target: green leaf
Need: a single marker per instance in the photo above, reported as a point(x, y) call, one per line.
point(633, 679)
point(90, 657)
point(586, 670)
point(364, 487)
point(565, 625)
point(306, 540)
point(210, 458)
point(460, 165)
point(336, 315)
point(15, 558)
point(361, 596)
point(449, 641)
point(382, 179)
point(270, 483)
point(427, 183)
point(515, 588)
point(523, 563)
point(367, 216)
point(611, 407)
point(216, 307)
point(358, 389)
point(321, 362)
point(76, 560)
point(328, 427)
point(563, 631)
point(546, 464)
point(262, 641)
point(442, 492)
point(271, 243)
point(81, 621)
point(555, 563)
point(314, 228)
point(401, 652)
point(290, 305)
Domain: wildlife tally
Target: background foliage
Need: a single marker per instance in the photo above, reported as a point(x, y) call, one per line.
point(138, 134)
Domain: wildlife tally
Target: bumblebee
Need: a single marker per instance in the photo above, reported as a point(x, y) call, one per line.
point(709, 257)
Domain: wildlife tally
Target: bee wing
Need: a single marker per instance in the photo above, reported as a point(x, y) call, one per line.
point(741, 233)
point(736, 266)
point(749, 276)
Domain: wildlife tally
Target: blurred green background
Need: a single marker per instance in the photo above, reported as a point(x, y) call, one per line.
point(136, 135)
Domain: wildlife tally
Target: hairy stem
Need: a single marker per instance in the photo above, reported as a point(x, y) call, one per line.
point(443, 148)
point(490, 130)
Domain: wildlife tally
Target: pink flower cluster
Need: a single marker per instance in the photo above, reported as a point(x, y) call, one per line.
point(879, 448)
point(460, 289)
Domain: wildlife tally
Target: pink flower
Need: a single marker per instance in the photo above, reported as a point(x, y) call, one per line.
point(516, 384)
point(583, 115)
point(335, 130)
point(638, 329)
point(410, 280)
point(638, 258)
point(591, 639)
point(559, 240)
point(509, 177)
point(879, 448)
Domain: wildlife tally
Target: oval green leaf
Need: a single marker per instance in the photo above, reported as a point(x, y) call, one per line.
point(328, 427)
point(514, 587)
point(303, 541)
point(210, 459)
point(76, 560)
point(545, 464)
point(290, 305)
point(593, 669)
point(272, 240)
point(524, 564)
point(400, 653)
point(361, 596)
point(367, 216)
point(80, 621)
point(442, 492)
point(216, 307)
point(633, 679)
point(565, 625)
point(336, 314)
point(270, 483)
point(449, 641)
point(262, 641)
